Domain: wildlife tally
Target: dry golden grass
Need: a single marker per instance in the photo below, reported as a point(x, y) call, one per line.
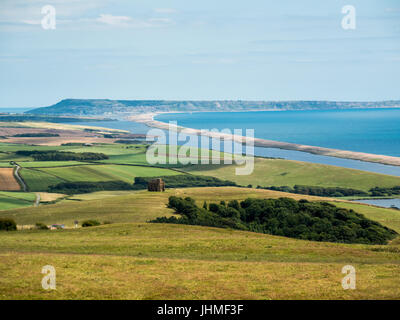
point(110, 277)
point(48, 197)
point(155, 261)
point(7, 180)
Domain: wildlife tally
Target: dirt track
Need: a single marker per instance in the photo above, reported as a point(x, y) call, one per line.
point(8, 181)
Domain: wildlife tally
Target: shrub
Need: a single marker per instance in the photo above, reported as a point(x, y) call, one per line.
point(88, 187)
point(7, 224)
point(184, 181)
point(90, 223)
point(41, 226)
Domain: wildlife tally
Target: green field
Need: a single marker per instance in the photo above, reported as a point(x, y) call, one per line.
point(13, 200)
point(106, 172)
point(267, 172)
point(277, 172)
point(5, 165)
point(38, 180)
point(50, 164)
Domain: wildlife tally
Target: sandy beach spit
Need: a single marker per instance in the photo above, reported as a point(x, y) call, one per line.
point(148, 119)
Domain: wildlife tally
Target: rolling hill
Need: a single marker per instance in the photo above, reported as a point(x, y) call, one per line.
point(99, 107)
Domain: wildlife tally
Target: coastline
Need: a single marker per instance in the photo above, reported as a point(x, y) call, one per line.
point(148, 119)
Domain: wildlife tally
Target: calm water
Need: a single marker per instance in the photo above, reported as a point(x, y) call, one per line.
point(364, 130)
point(386, 203)
point(135, 127)
point(14, 110)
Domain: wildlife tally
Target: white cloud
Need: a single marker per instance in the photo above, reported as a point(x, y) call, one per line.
point(31, 22)
point(114, 20)
point(124, 21)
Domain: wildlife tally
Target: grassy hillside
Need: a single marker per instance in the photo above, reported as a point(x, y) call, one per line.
point(138, 260)
point(143, 206)
point(150, 261)
point(277, 172)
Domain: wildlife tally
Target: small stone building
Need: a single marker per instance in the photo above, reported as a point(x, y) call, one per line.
point(156, 185)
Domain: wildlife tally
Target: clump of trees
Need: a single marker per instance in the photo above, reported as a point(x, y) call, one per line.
point(88, 187)
point(319, 191)
point(317, 221)
point(36, 135)
point(7, 224)
point(125, 141)
point(378, 192)
point(54, 155)
point(90, 223)
point(41, 226)
point(336, 191)
point(184, 181)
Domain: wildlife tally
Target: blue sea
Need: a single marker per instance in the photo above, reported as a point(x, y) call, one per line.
point(369, 130)
point(365, 130)
point(14, 110)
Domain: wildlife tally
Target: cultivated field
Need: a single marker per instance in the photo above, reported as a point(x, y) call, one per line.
point(13, 200)
point(278, 172)
point(7, 180)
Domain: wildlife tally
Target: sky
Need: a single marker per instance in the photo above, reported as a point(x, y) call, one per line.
point(198, 50)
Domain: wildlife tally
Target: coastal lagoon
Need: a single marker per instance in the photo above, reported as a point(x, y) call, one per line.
point(386, 203)
point(136, 127)
point(374, 131)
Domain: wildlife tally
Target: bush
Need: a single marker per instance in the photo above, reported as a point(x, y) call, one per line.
point(90, 223)
point(41, 226)
point(7, 224)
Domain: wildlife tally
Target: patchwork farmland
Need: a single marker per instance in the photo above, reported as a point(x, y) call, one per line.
point(7, 180)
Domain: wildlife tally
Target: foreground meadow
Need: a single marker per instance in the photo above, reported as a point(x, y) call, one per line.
point(132, 259)
point(151, 261)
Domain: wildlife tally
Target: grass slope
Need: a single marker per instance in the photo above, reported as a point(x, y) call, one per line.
point(150, 261)
point(38, 180)
point(277, 172)
point(143, 206)
point(106, 172)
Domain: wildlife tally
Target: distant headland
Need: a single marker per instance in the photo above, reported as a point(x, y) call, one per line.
point(106, 107)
